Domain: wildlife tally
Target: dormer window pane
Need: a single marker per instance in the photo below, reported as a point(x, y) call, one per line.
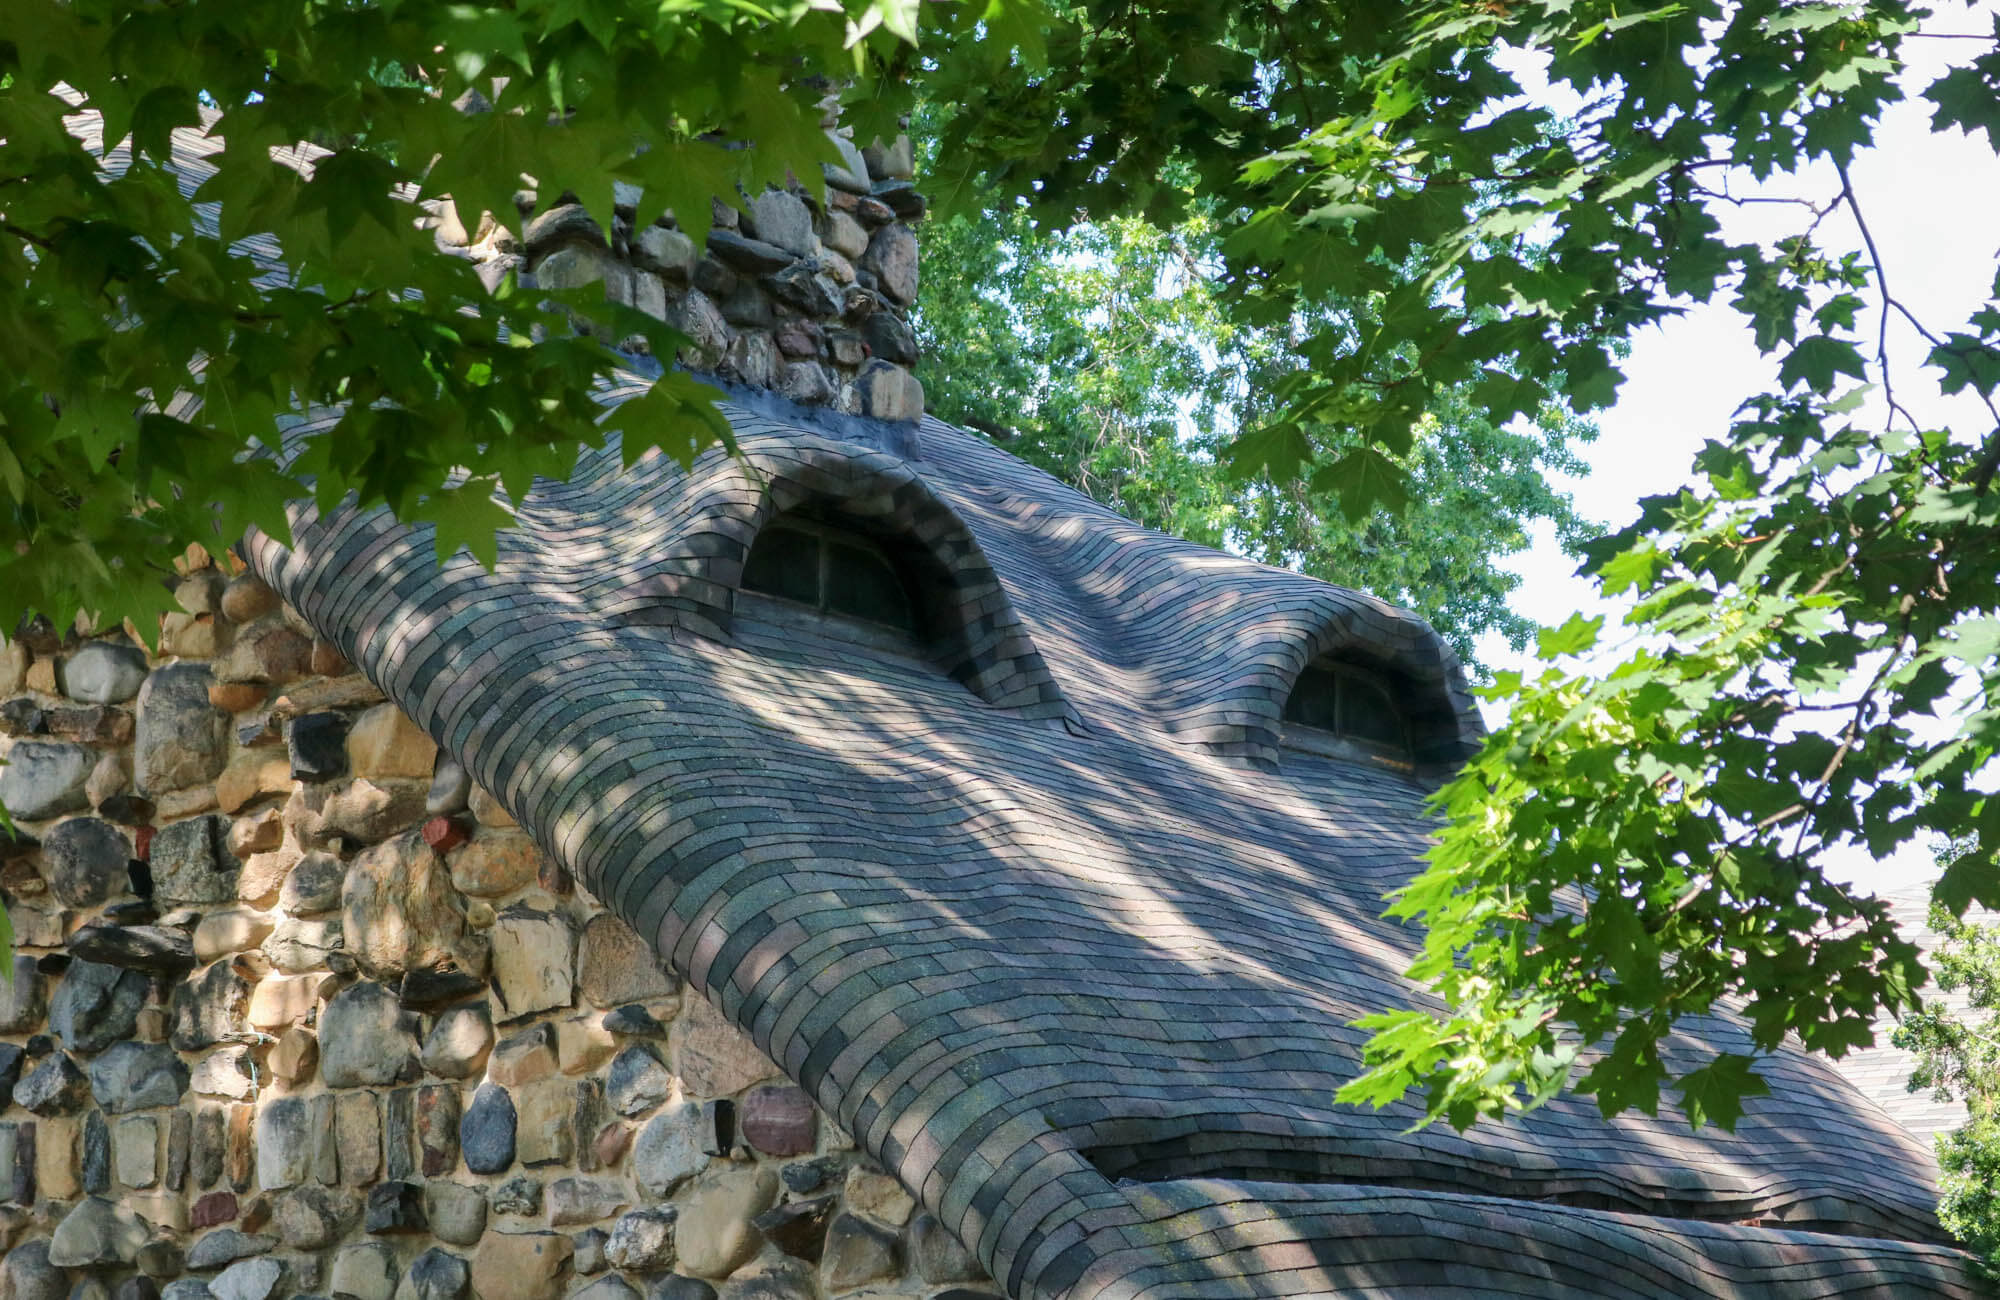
point(1314, 700)
point(860, 584)
point(1366, 713)
point(1345, 712)
point(828, 569)
point(784, 562)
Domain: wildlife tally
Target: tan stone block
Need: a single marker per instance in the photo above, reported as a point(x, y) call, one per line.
point(494, 863)
point(845, 235)
point(111, 776)
point(543, 1134)
point(184, 803)
point(616, 967)
point(41, 676)
point(357, 1127)
point(200, 593)
point(263, 874)
point(57, 1167)
point(583, 1044)
point(250, 774)
point(246, 598)
point(713, 1057)
point(237, 697)
point(260, 832)
point(837, 268)
point(521, 1265)
point(611, 1142)
point(14, 661)
point(879, 1196)
point(714, 1235)
point(294, 1056)
point(239, 1160)
point(327, 661)
point(488, 811)
point(135, 1148)
point(235, 930)
point(316, 697)
point(399, 913)
point(534, 956)
point(383, 742)
point(280, 1001)
point(162, 1209)
point(523, 1058)
point(188, 636)
point(39, 927)
point(889, 392)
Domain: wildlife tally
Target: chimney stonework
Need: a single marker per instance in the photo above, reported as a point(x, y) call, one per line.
point(802, 291)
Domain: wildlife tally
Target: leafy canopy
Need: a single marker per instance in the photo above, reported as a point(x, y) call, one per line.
point(151, 344)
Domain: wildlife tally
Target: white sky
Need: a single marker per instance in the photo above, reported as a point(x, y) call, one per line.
point(1931, 201)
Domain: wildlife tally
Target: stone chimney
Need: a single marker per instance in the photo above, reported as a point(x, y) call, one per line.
point(808, 300)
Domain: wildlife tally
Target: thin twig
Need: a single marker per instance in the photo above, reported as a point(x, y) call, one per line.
point(1881, 287)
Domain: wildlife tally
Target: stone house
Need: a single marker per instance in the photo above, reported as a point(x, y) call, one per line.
point(861, 866)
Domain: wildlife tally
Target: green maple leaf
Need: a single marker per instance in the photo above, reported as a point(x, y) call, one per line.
point(1280, 448)
point(1816, 360)
point(1715, 1092)
point(1573, 637)
point(786, 136)
point(899, 17)
point(1017, 25)
point(682, 176)
point(1970, 878)
point(1969, 98)
point(677, 415)
point(467, 516)
point(486, 166)
point(1365, 478)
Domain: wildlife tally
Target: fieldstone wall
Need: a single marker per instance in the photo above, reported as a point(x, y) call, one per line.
point(806, 297)
point(296, 1009)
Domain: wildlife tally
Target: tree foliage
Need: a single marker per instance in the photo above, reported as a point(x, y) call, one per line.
point(150, 347)
point(1642, 841)
point(1958, 1058)
point(1103, 354)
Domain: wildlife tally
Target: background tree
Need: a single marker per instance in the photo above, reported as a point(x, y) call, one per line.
point(1104, 355)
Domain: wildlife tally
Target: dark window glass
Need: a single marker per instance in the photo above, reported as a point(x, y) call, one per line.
point(1348, 705)
point(1366, 713)
point(829, 571)
point(784, 562)
point(1312, 703)
point(861, 584)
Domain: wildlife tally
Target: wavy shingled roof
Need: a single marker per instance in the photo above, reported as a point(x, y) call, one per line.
point(1043, 914)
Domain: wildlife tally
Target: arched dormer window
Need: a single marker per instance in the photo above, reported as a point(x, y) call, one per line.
point(832, 570)
point(960, 619)
point(1345, 711)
